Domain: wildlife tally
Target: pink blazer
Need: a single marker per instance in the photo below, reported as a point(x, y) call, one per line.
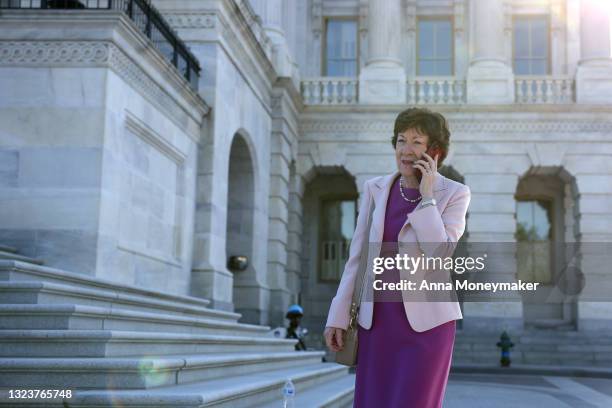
point(443, 223)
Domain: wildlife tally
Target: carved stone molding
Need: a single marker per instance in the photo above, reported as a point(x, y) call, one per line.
point(158, 143)
point(92, 54)
point(410, 24)
point(317, 18)
point(557, 18)
point(191, 20)
point(154, 139)
point(508, 10)
point(240, 39)
point(247, 11)
point(53, 52)
point(364, 8)
point(556, 126)
point(480, 126)
point(459, 14)
point(140, 80)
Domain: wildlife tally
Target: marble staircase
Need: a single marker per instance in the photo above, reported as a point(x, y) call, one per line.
point(536, 346)
point(121, 345)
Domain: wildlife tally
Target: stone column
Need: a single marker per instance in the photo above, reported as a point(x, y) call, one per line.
point(291, 20)
point(490, 78)
point(557, 37)
point(594, 86)
point(459, 38)
point(493, 233)
point(283, 140)
point(594, 72)
point(271, 14)
point(572, 36)
point(383, 79)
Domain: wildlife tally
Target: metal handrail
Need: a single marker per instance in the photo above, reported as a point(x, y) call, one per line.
point(144, 15)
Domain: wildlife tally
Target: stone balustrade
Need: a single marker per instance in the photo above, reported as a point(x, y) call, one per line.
point(544, 89)
point(439, 90)
point(435, 91)
point(329, 91)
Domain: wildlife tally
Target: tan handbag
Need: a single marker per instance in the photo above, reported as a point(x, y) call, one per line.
point(348, 355)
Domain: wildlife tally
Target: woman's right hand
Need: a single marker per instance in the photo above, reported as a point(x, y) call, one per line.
point(334, 338)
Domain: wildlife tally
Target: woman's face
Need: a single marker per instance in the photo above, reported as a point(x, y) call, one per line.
point(410, 146)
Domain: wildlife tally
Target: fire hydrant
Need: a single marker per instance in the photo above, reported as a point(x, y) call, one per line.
point(505, 344)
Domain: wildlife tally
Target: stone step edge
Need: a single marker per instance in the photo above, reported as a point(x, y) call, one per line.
point(247, 385)
point(539, 333)
point(533, 369)
point(119, 336)
point(540, 348)
point(340, 388)
point(7, 248)
point(12, 256)
point(137, 365)
point(537, 341)
point(75, 278)
point(102, 312)
point(336, 396)
point(120, 299)
point(569, 335)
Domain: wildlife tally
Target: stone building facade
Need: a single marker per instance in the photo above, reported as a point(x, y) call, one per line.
point(115, 167)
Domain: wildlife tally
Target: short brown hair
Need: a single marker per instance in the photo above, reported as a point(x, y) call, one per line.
point(426, 122)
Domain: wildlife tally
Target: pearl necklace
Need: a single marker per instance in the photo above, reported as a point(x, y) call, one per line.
point(402, 192)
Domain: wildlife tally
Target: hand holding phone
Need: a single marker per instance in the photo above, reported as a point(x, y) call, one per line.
point(432, 151)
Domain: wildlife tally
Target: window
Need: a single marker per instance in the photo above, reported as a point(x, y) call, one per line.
point(434, 46)
point(534, 240)
point(338, 219)
point(531, 45)
point(340, 48)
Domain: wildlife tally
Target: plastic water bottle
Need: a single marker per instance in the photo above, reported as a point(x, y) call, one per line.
point(288, 394)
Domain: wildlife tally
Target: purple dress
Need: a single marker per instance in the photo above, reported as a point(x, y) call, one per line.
point(397, 366)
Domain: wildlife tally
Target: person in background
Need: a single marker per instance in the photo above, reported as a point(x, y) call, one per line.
point(294, 331)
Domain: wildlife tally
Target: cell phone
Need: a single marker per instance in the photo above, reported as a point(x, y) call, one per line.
point(432, 151)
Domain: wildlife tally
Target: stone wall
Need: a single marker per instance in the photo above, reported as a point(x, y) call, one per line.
point(99, 145)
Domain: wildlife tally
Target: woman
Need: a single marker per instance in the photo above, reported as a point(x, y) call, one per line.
point(404, 348)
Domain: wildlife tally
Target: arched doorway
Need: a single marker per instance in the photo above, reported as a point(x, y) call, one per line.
point(239, 227)
point(329, 220)
point(546, 221)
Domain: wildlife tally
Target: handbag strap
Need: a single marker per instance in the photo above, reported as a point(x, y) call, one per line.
point(363, 263)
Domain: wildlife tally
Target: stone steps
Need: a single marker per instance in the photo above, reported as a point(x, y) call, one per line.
point(121, 345)
point(143, 372)
point(586, 358)
point(552, 325)
point(533, 370)
point(7, 248)
point(78, 317)
point(26, 292)
point(565, 348)
point(538, 338)
point(245, 391)
point(105, 343)
point(14, 256)
point(538, 345)
point(535, 335)
point(338, 393)
point(20, 271)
